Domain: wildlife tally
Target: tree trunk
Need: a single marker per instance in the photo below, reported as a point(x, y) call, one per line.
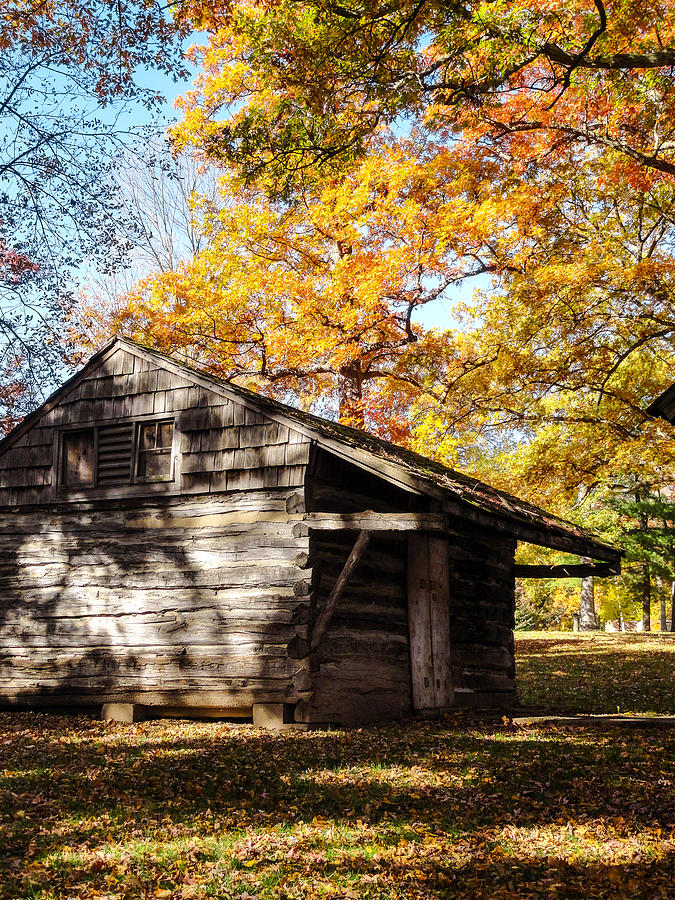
point(587, 618)
point(663, 623)
point(350, 391)
point(672, 606)
point(646, 600)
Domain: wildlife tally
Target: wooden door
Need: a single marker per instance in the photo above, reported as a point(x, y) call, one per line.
point(429, 622)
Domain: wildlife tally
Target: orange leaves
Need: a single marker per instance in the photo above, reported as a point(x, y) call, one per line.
point(318, 297)
point(302, 85)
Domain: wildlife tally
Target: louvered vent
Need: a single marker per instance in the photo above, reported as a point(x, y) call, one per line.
point(113, 460)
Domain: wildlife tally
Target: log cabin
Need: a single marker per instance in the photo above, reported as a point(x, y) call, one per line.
point(175, 543)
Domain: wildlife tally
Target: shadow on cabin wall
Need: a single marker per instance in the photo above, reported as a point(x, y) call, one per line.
point(92, 610)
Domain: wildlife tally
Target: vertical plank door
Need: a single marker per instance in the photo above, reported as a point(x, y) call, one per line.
point(429, 622)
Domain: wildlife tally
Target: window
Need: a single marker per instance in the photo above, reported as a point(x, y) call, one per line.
point(117, 454)
point(154, 459)
point(78, 458)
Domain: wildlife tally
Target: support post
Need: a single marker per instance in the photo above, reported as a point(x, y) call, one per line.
point(128, 713)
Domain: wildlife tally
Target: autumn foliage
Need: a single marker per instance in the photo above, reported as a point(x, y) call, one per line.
point(319, 297)
point(307, 83)
point(379, 161)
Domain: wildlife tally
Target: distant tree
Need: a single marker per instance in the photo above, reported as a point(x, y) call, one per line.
point(160, 224)
point(588, 620)
point(647, 534)
point(67, 75)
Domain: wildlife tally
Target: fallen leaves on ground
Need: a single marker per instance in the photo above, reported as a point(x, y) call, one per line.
point(593, 672)
point(468, 807)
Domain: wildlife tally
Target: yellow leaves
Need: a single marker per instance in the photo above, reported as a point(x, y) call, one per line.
point(305, 293)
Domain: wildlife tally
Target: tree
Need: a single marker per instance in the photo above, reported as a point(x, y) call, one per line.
point(158, 224)
point(68, 70)
point(588, 620)
point(579, 332)
point(287, 86)
point(647, 533)
point(319, 297)
point(547, 110)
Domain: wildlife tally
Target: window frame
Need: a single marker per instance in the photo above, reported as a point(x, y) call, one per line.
point(93, 489)
point(138, 450)
point(81, 485)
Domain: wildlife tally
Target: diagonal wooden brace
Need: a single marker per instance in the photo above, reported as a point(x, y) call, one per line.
point(328, 609)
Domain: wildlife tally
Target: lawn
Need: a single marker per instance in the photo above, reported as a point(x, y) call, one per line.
point(596, 673)
point(467, 807)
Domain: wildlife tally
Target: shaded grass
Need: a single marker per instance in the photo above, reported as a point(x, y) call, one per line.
point(459, 808)
point(596, 672)
point(463, 808)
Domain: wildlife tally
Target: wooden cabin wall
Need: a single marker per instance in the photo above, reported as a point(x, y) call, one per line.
point(185, 592)
point(482, 606)
point(196, 593)
point(188, 601)
point(361, 670)
point(361, 667)
point(222, 445)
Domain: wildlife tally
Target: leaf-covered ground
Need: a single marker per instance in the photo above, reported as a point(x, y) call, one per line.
point(596, 672)
point(464, 808)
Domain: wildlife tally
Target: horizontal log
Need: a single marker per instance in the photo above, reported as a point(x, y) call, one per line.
point(274, 498)
point(154, 667)
point(484, 681)
point(467, 698)
point(72, 602)
point(337, 679)
point(373, 521)
point(64, 695)
point(576, 570)
point(478, 631)
point(139, 558)
point(332, 554)
point(136, 631)
point(88, 577)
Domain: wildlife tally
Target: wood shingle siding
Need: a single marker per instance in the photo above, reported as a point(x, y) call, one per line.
point(223, 446)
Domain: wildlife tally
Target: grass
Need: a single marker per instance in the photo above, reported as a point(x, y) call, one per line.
point(596, 673)
point(467, 807)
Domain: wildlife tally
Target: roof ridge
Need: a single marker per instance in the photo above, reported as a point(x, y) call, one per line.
point(409, 468)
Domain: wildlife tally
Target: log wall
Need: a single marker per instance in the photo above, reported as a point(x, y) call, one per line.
point(482, 605)
point(178, 601)
point(361, 670)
